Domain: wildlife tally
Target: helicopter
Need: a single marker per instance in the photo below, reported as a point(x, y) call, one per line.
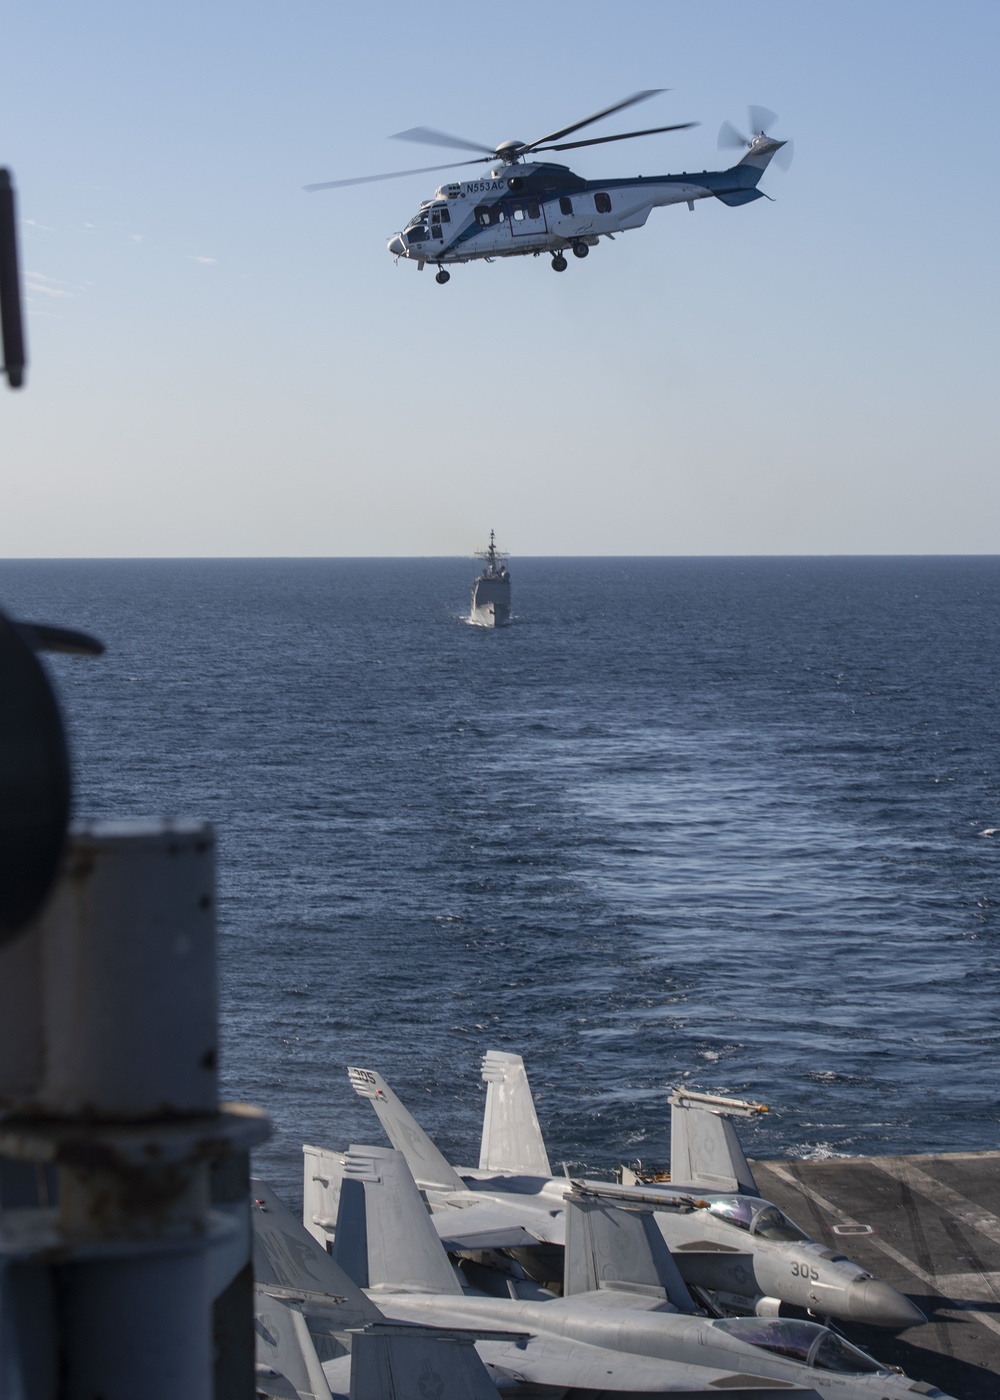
point(522, 205)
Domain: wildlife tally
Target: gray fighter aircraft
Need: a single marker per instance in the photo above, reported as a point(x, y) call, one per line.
point(623, 1297)
point(319, 1336)
point(741, 1252)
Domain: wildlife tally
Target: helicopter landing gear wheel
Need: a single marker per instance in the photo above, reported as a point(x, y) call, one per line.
point(559, 263)
point(580, 250)
point(443, 277)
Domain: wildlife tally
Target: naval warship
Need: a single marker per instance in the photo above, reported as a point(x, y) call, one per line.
point(491, 590)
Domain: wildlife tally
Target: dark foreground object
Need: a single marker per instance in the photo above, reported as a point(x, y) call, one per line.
point(931, 1227)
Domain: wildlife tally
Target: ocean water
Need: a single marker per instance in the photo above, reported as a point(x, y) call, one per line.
point(727, 822)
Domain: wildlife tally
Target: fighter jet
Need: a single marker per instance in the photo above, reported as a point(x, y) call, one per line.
point(738, 1250)
point(624, 1301)
point(319, 1336)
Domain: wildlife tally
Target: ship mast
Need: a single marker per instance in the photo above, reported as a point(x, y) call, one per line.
point(493, 556)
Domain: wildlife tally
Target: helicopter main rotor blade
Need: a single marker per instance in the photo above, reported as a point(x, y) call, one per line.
point(598, 116)
point(392, 175)
point(625, 136)
point(427, 137)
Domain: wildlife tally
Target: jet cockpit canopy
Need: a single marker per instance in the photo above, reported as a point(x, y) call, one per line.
point(759, 1217)
point(807, 1342)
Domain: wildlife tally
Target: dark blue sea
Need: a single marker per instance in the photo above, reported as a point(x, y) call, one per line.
point(733, 822)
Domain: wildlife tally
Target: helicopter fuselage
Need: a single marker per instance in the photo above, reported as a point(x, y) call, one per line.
point(522, 208)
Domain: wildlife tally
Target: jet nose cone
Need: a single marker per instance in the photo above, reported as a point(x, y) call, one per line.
point(396, 246)
point(880, 1305)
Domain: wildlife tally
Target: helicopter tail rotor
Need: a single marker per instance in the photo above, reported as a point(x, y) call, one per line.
point(760, 119)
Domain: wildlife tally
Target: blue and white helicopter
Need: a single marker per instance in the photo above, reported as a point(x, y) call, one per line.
point(526, 206)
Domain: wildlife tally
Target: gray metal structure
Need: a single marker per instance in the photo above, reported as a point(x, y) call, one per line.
point(136, 1281)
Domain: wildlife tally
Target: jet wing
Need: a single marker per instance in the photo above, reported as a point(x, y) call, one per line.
point(496, 1225)
point(417, 1363)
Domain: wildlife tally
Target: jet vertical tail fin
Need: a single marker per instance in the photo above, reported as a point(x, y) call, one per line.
point(427, 1164)
point(285, 1256)
point(704, 1148)
point(512, 1140)
point(322, 1173)
point(610, 1246)
point(385, 1236)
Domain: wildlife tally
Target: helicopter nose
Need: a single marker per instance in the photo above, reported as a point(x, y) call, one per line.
point(879, 1304)
point(396, 246)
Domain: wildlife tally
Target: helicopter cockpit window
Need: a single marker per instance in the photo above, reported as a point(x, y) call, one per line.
point(416, 235)
point(602, 203)
point(445, 216)
point(566, 205)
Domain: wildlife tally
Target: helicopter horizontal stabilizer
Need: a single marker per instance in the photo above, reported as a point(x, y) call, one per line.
point(736, 197)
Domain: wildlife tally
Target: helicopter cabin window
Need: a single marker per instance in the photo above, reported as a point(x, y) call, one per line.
point(533, 210)
point(602, 203)
point(487, 214)
point(566, 205)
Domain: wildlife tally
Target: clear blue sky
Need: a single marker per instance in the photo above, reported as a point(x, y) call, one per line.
point(223, 364)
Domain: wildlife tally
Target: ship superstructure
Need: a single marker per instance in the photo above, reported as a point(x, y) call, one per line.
point(491, 590)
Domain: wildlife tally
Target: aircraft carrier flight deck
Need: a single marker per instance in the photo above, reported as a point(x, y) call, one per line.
point(929, 1225)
